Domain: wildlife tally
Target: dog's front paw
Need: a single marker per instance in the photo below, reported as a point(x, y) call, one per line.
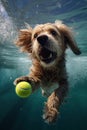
point(25, 78)
point(50, 114)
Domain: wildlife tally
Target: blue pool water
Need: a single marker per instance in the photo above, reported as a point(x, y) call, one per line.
point(26, 114)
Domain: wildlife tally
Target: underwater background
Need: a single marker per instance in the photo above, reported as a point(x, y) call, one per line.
point(26, 114)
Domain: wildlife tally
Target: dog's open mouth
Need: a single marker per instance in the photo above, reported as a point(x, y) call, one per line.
point(46, 55)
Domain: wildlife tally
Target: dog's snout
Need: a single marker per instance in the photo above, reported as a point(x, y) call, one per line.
point(42, 39)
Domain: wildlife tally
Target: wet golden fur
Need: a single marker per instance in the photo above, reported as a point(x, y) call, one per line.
point(43, 74)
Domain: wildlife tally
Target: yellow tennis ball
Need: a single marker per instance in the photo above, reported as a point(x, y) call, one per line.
point(23, 89)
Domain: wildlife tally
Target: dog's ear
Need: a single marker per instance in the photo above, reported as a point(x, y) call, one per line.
point(24, 40)
point(68, 37)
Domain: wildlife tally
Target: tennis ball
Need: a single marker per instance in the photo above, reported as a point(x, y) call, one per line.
point(23, 89)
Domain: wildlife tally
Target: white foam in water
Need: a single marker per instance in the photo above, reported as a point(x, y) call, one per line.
point(7, 28)
point(9, 54)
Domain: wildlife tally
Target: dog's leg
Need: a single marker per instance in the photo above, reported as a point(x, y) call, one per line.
point(54, 101)
point(32, 81)
point(34, 78)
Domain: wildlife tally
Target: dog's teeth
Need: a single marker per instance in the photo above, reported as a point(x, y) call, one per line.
point(50, 55)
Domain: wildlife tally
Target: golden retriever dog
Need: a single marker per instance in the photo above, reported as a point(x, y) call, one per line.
point(46, 44)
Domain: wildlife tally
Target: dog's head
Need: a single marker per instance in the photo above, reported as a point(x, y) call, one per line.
point(47, 42)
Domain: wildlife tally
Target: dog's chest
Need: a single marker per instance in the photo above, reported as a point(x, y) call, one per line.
point(50, 76)
point(49, 82)
point(48, 88)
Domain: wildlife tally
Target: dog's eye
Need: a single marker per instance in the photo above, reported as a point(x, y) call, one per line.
point(35, 35)
point(53, 32)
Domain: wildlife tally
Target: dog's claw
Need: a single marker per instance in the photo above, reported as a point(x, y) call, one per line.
point(49, 118)
point(17, 81)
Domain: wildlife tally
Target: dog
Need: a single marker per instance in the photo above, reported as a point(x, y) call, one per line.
point(46, 45)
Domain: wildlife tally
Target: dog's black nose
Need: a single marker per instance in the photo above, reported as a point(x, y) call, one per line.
point(42, 39)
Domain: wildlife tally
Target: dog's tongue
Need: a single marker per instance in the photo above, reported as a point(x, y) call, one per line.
point(45, 53)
